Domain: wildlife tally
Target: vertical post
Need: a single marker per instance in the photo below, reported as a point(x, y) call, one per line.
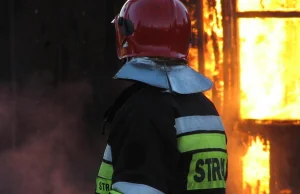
point(13, 71)
point(231, 98)
point(200, 37)
point(231, 61)
point(235, 65)
point(273, 169)
point(59, 30)
point(257, 187)
point(227, 23)
point(4, 47)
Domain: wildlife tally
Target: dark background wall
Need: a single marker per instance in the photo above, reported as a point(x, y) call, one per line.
point(57, 58)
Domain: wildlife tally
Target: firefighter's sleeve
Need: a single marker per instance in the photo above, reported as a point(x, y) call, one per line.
point(103, 180)
point(144, 151)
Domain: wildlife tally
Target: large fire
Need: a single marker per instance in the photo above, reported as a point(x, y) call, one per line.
point(270, 80)
point(256, 167)
point(270, 64)
point(269, 50)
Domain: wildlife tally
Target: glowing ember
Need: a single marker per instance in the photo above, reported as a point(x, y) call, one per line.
point(270, 66)
point(256, 168)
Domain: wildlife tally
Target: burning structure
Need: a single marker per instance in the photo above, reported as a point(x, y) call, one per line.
point(248, 48)
point(251, 49)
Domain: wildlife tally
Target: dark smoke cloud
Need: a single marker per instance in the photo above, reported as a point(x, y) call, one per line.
point(52, 154)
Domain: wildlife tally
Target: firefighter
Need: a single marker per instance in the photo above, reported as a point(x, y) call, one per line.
point(166, 136)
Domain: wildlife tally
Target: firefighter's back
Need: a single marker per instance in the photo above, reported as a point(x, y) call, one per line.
point(201, 141)
point(166, 143)
point(197, 162)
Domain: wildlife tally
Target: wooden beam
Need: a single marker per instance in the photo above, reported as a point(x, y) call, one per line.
point(268, 14)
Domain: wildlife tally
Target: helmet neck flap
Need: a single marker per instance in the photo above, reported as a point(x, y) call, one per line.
point(174, 76)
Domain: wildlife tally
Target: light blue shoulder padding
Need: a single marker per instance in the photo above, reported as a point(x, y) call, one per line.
point(179, 78)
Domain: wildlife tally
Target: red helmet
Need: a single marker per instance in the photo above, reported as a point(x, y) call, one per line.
point(153, 28)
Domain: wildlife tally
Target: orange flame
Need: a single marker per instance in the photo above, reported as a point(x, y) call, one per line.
point(193, 58)
point(256, 168)
point(270, 80)
point(213, 45)
point(270, 66)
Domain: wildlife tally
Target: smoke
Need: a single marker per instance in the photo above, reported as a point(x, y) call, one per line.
point(44, 146)
point(236, 149)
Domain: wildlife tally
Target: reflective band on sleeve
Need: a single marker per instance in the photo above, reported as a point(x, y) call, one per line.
point(106, 170)
point(132, 188)
point(103, 186)
point(196, 123)
point(201, 141)
point(114, 192)
point(207, 171)
point(107, 154)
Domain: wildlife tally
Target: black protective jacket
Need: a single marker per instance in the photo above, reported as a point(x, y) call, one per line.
point(160, 142)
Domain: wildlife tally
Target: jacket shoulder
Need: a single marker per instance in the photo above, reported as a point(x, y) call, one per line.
point(148, 98)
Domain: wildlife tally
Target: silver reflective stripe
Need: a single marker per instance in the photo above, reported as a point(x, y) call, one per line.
point(132, 188)
point(107, 154)
point(196, 123)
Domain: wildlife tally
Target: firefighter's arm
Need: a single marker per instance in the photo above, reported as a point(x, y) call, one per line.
point(142, 155)
point(104, 177)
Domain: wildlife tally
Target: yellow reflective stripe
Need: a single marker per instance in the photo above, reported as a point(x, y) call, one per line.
point(207, 171)
point(201, 141)
point(106, 170)
point(114, 192)
point(103, 186)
